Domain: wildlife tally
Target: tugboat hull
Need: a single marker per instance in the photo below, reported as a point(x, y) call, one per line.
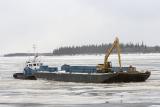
point(22, 76)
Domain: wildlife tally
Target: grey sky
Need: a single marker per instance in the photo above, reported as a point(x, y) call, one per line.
point(54, 23)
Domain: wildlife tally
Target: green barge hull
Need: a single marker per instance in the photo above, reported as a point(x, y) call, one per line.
point(94, 77)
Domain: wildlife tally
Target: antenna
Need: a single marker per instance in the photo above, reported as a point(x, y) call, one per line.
point(34, 49)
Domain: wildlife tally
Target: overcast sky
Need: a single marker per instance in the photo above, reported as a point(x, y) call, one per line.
point(53, 23)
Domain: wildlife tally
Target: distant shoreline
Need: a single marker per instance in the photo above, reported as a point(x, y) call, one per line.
point(50, 54)
point(128, 48)
point(26, 54)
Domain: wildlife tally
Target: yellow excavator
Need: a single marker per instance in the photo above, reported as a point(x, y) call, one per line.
point(107, 66)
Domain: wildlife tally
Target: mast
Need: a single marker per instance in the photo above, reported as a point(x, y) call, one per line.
point(35, 54)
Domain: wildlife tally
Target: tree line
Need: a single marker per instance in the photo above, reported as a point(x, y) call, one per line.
point(102, 48)
point(95, 49)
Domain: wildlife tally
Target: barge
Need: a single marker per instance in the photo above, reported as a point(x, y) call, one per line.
point(87, 77)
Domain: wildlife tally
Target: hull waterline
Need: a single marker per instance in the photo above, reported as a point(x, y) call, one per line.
point(88, 78)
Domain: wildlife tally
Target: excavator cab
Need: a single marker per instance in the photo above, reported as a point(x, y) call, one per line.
point(101, 68)
point(109, 64)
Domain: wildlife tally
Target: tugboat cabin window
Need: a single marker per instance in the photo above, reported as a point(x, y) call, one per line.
point(30, 65)
point(34, 64)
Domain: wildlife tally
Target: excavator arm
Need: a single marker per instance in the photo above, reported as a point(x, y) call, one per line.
point(114, 45)
point(106, 66)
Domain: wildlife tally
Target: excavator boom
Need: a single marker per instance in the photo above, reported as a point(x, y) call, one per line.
point(114, 45)
point(105, 67)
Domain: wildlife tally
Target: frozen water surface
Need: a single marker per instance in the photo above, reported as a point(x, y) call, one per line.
point(40, 93)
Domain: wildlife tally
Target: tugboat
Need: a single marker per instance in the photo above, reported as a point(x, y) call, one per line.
point(102, 73)
point(33, 66)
